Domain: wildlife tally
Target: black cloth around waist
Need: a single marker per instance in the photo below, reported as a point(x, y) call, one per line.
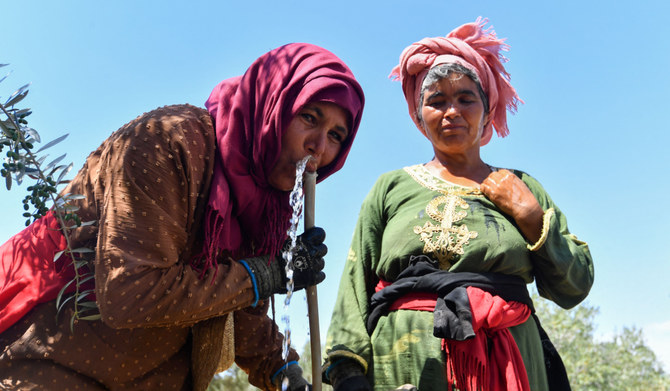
point(452, 314)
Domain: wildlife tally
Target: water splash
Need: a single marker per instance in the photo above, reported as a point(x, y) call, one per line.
point(296, 200)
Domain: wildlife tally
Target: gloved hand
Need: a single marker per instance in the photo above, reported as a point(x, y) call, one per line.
point(270, 275)
point(348, 376)
point(293, 373)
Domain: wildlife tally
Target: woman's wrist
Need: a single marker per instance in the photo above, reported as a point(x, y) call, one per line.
point(530, 222)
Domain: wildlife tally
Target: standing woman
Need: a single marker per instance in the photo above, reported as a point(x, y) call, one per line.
point(192, 210)
point(434, 288)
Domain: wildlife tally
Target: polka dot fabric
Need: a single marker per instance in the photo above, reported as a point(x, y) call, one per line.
point(147, 186)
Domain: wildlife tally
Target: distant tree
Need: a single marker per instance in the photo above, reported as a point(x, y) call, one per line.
point(306, 365)
point(623, 363)
point(233, 379)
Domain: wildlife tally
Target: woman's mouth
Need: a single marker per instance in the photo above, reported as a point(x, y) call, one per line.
point(312, 164)
point(451, 126)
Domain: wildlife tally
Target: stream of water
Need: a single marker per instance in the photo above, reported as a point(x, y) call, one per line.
point(296, 200)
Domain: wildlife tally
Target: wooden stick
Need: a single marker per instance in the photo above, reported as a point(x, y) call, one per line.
point(309, 187)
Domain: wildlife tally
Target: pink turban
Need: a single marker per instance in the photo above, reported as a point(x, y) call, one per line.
point(480, 50)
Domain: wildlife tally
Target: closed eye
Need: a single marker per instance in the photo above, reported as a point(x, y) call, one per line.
point(467, 96)
point(308, 118)
point(339, 135)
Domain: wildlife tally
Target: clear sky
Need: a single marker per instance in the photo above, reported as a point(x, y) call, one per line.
point(593, 75)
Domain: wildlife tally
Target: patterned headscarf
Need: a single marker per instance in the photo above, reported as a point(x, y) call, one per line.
point(246, 216)
point(480, 50)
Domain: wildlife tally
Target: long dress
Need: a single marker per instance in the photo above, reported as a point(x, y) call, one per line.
point(147, 187)
point(412, 212)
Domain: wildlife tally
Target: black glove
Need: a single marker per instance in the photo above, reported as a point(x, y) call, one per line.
point(293, 373)
point(270, 275)
point(348, 376)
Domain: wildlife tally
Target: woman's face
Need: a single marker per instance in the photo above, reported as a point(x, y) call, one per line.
point(453, 115)
point(319, 129)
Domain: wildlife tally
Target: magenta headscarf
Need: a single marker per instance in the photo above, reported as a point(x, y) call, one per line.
point(246, 216)
point(480, 50)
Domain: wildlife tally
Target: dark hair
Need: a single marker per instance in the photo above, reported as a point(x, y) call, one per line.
point(442, 71)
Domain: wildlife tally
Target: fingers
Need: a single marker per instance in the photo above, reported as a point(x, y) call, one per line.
point(314, 236)
point(312, 239)
point(318, 251)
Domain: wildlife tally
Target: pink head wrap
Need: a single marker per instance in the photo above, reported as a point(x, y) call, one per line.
point(246, 215)
point(475, 48)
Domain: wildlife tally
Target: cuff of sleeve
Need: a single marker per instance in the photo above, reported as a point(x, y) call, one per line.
point(336, 356)
point(546, 221)
point(253, 281)
point(280, 370)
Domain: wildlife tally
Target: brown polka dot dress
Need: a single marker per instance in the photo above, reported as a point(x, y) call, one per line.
point(147, 188)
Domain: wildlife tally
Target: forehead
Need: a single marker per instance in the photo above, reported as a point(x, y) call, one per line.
point(454, 80)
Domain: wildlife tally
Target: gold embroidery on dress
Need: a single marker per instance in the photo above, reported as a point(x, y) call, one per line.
point(426, 179)
point(443, 240)
point(351, 256)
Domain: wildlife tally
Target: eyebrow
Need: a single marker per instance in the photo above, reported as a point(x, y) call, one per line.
point(319, 114)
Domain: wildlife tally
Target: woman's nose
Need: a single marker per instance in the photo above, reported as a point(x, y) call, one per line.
point(316, 143)
point(452, 111)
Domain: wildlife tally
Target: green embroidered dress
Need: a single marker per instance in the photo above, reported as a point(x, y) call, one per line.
point(411, 212)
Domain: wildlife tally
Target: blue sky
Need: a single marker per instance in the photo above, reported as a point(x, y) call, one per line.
point(593, 76)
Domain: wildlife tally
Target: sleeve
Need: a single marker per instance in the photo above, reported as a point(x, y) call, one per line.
point(347, 334)
point(149, 181)
point(562, 264)
point(258, 345)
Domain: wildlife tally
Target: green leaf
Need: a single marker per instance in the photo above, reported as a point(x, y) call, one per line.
point(88, 305)
point(52, 143)
point(58, 255)
point(79, 264)
point(54, 162)
point(62, 291)
point(16, 98)
point(41, 159)
point(31, 172)
point(32, 133)
point(20, 174)
point(82, 295)
point(7, 126)
point(70, 208)
point(91, 317)
point(82, 250)
point(22, 113)
point(65, 171)
point(85, 279)
point(16, 93)
point(8, 182)
point(74, 197)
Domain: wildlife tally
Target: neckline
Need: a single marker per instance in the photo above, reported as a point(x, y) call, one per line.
point(427, 179)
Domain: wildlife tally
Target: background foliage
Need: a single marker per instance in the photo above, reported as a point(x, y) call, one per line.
point(622, 362)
